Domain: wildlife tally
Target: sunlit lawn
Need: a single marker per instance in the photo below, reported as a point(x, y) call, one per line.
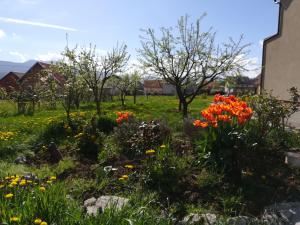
point(26, 128)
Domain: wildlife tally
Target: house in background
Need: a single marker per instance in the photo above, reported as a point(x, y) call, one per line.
point(10, 81)
point(153, 87)
point(158, 87)
point(33, 76)
point(214, 87)
point(242, 85)
point(281, 55)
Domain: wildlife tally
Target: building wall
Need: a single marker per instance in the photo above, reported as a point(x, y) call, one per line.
point(281, 68)
point(9, 82)
point(31, 78)
point(156, 91)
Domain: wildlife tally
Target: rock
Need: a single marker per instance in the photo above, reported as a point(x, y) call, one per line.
point(92, 210)
point(193, 218)
point(94, 206)
point(282, 214)
point(108, 201)
point(292, 159)
point(243, 220)
point(20, 160)
point(89, 202)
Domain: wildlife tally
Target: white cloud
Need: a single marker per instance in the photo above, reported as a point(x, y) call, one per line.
point(253, 67)
point(16, 37)
point(22, 57)
point(49, 56)
point(2, 34)
point(38, 24)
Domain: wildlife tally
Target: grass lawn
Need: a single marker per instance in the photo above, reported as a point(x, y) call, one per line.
point(27, 128)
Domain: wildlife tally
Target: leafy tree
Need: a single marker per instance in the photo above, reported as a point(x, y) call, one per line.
point(189, 59)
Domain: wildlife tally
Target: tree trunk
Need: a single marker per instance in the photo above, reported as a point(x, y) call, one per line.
point(179, 106)
point(134, 98)
point(98, 106)
point(184, 109)
point(122, 100)
point(97, 100)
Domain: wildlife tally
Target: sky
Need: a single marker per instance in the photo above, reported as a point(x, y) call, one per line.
point(36, 29)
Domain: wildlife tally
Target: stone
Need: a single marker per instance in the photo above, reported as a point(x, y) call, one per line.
point(89, 202)
point(20, 160)
point(292, 159)
point(194, 218)
point(92, 210)
point(282, 214)
point(243, 220)
point(94, 206)
point(108, 201)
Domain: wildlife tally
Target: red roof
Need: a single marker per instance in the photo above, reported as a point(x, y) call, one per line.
point(153, 84)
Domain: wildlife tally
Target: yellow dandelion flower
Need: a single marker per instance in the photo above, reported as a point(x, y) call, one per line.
point(49, 182)
point(52, 178)
point(150, 152)
point(7, 196)
point(129, 166)
point(14, 219)
point(42, 189)
point(2, 185)
point(13, 183)
point(125, 177)
point(163, 146)
point(37, 221)
point(23, 182)
point(44, 223)
point(121, 178)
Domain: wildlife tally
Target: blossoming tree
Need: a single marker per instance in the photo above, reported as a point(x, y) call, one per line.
point(189, 59)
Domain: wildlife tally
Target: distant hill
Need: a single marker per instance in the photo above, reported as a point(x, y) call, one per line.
point(6, 67)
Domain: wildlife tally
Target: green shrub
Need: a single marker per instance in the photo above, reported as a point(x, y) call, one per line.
point(106, 125)
point(90, 142)
point(271, 117)
point(135, 138)
point(54, 131)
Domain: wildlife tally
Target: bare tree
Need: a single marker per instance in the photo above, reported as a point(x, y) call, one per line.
point(97, 70)
point(189, 59)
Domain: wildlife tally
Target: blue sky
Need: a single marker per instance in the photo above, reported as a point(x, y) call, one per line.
point(36, 29)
